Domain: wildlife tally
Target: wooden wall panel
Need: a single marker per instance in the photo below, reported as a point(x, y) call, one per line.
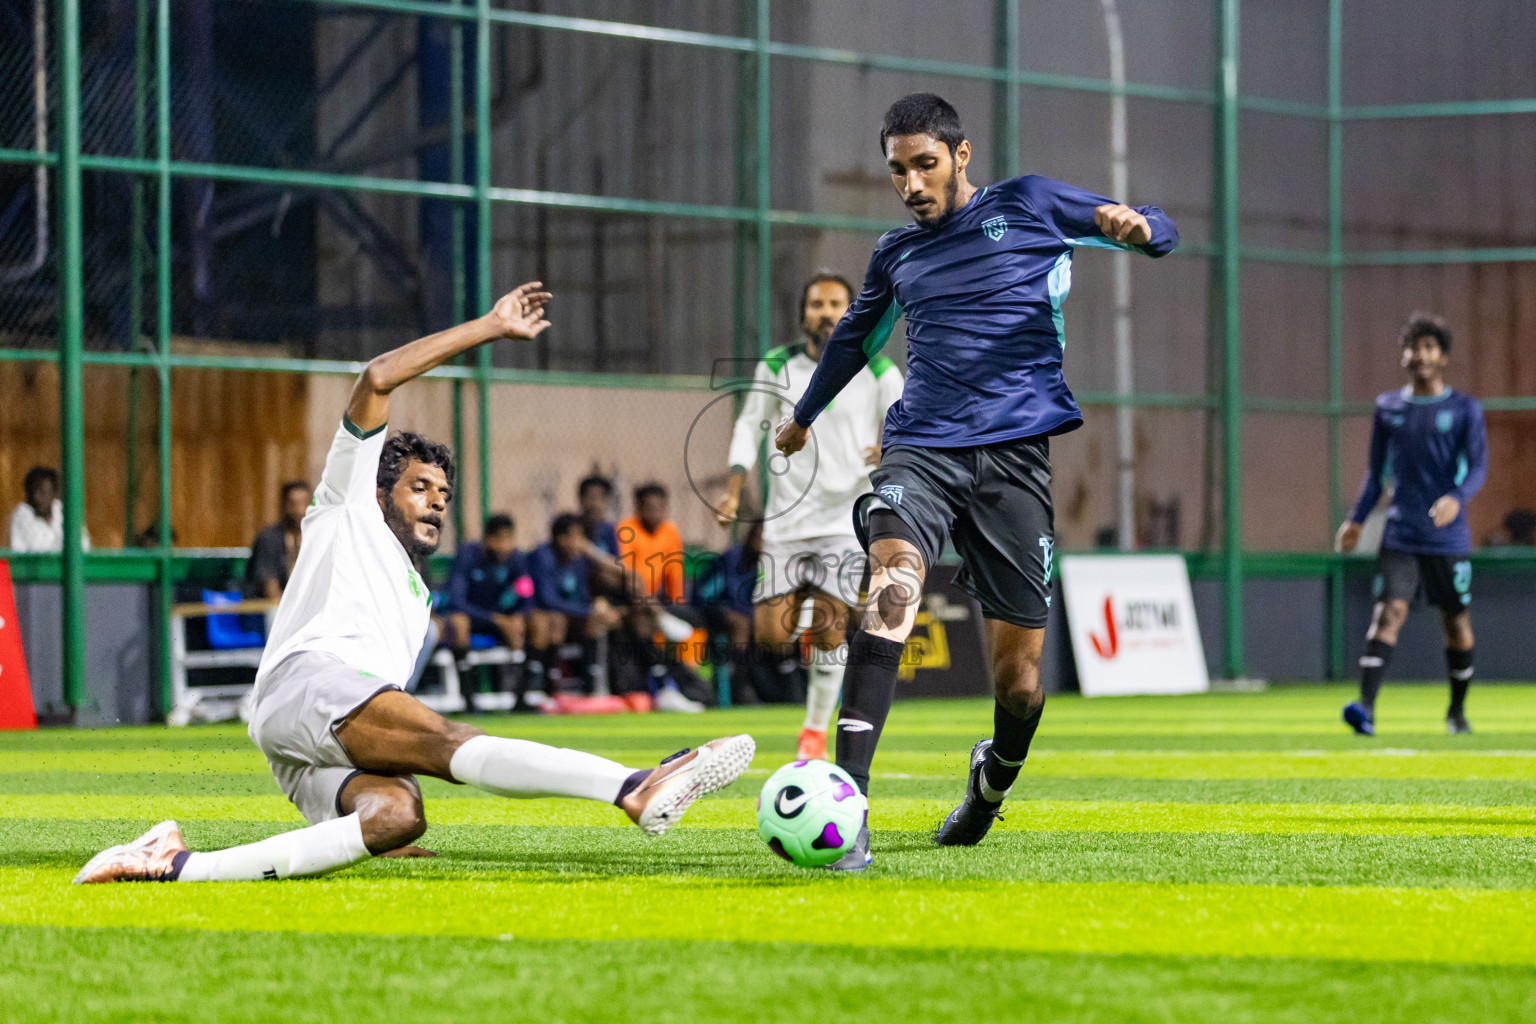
point(235, 438)
point(1511, 471)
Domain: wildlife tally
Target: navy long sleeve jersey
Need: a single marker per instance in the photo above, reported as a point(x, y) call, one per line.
point(560, 586)
point(982, 294)
point(1428, 448)
point(478, 585)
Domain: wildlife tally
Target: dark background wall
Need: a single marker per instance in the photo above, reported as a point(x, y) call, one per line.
point(333, 274)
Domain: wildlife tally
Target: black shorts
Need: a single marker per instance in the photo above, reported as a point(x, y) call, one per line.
point(1445, 581)
point(993, 503)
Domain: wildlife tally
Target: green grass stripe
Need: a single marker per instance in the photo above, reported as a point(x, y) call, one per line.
point(1409, 711)
point(53, 974)
point(1296, 764)
point(893, 814)
point(1167, 764)
point(245, 759)
point(1450, 925)
point(1462, 792)
point(1478, 862)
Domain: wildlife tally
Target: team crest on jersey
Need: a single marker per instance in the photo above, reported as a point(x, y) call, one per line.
point(1443, 421)
point(995, 228)
point(891, 493)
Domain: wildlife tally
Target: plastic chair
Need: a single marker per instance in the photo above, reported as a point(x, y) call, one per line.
point(224, 631)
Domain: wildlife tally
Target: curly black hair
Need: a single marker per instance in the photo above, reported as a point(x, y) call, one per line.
point(1427, 325)
point(407, 447)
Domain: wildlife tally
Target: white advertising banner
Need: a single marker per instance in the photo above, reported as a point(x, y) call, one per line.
point(1132, 620)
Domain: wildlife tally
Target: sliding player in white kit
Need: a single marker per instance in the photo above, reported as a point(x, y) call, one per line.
point(342, 738)
point(812, 563)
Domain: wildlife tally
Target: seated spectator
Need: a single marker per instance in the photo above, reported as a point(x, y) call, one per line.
point(651, 550)
point(595, 496)
point(37, 525)
point(726, 592)
point(563, 605)
point(276, 548)
point(490, 590)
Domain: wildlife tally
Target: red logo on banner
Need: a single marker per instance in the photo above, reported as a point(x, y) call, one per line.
point(15, 687)
point(1106, 648)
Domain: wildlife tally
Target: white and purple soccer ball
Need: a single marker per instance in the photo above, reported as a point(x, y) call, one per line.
point(810, 813)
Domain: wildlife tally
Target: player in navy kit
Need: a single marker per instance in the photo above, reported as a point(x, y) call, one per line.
point(1430, 442)
point(980, 277)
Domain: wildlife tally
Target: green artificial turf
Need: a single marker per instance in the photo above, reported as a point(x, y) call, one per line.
point(1231, 857)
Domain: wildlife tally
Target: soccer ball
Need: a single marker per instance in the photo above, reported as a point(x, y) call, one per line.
point(810, 813)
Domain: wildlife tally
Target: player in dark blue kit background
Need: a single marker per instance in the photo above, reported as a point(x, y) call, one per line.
point(1430, 442)
point(980, 277)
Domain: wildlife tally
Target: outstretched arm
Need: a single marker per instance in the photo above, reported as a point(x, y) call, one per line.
point(1083, 218)
point(518, 314)
point(861, 333)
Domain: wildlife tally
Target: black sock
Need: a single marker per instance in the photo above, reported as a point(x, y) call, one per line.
point(177, 863)
point(1373, 666)
point(533, 668)
point(1011, 736)
point(628, 786)
point(869, 686)
point(1459, 665)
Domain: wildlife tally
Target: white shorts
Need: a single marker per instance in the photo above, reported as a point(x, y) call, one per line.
point(299, 705)
point(833, 565)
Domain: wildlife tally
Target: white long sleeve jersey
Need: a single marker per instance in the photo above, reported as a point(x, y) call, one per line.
point(813, 495)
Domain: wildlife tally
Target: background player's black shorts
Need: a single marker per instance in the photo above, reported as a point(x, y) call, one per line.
point(1445, 581)
point(993, 503)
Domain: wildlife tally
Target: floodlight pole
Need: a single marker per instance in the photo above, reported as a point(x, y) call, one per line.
point(1232, 377)
point(1335, 324)
point(1120, 188)
point(483, 294)
point(1005, 92)
point(165, 567)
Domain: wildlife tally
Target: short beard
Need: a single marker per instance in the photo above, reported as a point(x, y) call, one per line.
point(405, 532)
point(951, 194)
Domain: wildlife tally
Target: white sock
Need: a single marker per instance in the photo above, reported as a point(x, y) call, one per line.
point(519, 768)
point(826, 685)
point(301, 853)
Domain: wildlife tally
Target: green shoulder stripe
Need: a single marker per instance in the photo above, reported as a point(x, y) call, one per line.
point(875, 340)
point(357, 431)
point(878, 364)
point(777, 357)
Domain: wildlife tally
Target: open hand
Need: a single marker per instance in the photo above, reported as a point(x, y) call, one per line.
point(872, 455)
point(1122, 224)
point(520, 312)
point(1348, 536)
point(1445, 510)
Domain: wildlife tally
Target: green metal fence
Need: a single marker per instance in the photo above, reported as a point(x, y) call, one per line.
point(761, 56)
